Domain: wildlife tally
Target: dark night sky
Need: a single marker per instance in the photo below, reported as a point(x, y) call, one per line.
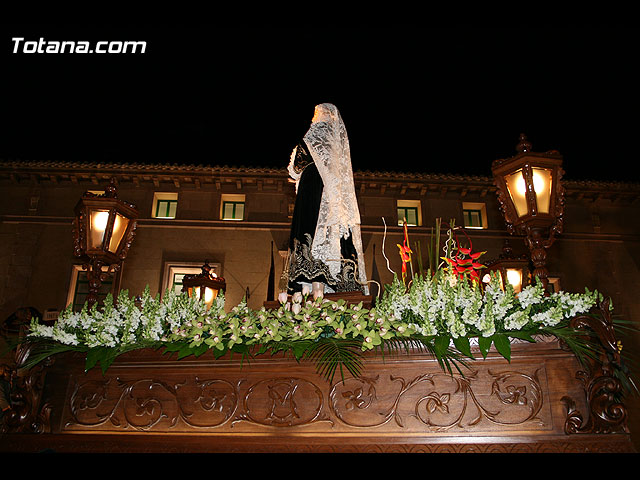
point(413, 99)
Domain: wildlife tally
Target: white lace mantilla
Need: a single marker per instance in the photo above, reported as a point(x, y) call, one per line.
point(339, 214)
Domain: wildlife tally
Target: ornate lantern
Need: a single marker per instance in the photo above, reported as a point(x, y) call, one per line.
point(205, 285)
point(531, 198)
point(512, 269)
point(103, 231)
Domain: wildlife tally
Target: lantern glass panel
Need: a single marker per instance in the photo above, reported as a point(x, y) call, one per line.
point(517, 191)
point(190, 291)
point(119, 228)
point(514, 277)
point(98, 224)
point(542, 186)
point(210, 295)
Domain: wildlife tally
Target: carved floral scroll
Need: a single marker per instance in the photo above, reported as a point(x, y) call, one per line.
point(432, 402)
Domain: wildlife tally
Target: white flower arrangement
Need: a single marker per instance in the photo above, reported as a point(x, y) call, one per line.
point(431, 307)
point(444, 305)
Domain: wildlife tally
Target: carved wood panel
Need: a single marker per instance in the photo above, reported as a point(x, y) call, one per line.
point(407, 401)
point(481, 401)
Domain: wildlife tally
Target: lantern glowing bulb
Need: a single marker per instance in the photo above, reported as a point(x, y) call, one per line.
point(513, 277)
point(100, 220)
point(208, 294)
point(538, 183)
point(541, 184)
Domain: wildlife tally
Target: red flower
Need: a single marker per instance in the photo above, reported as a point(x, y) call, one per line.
point(464, 261)
point(404, 256)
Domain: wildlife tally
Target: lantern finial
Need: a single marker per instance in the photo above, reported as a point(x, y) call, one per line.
point(111, 190)
point(524, 145)
point(507, 250)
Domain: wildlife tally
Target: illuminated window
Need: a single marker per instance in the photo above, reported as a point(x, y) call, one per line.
point(474, 215)
point(165, 205)
point(232, 207)
point(233, 211)
point(166, 208)
point(175, 281)
point(411, 211)
point(473, 218)
point(79, 288)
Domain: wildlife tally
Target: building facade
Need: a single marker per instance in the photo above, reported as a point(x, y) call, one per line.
point(237, 219)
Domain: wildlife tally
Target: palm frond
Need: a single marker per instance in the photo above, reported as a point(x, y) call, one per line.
point(331, 354)
point(448, 359)
point(40, 350)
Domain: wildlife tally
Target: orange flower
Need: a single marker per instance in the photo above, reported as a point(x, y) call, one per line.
point(405, 251)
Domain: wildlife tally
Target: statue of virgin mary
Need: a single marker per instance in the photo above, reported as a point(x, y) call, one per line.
point(325, 245)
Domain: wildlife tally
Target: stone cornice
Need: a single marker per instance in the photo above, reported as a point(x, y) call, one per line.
point(179, 174)
point(42, 165)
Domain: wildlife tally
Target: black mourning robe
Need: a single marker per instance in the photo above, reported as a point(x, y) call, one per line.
point(303, 268)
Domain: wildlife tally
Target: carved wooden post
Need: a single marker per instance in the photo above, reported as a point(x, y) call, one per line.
point(607, 414)
point(26, 412)
point(538, 248)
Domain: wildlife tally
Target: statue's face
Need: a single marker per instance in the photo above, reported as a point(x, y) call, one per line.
point(316, 114)
point(322, 113)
